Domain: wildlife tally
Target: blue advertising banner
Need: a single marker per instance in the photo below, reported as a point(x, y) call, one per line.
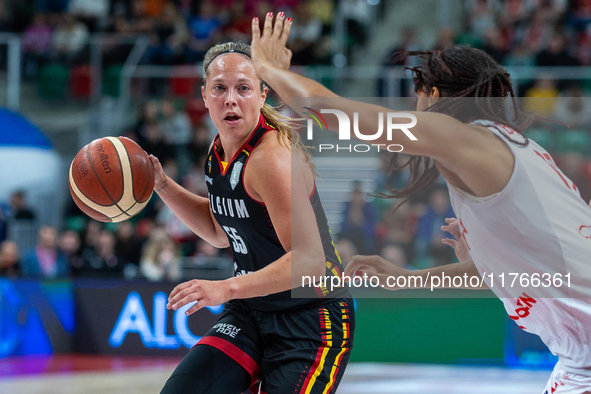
point(36, 317)
point(119, 317)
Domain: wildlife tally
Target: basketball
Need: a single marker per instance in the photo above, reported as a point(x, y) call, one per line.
point(111, 179)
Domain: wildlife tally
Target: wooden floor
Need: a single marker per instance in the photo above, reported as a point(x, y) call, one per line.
point(146, 376)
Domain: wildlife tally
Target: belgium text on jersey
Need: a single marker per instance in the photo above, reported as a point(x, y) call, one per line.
point(344, 130)
point(231, 207)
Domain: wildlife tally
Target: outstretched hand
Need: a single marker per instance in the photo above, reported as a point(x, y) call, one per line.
point(268, 49)
point(376, 266)
point(205, 292)
point(458, 243)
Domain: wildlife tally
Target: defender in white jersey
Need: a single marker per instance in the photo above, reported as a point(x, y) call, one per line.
point(517, 211)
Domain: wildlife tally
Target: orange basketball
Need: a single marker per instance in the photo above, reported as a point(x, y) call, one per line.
point(111, 179)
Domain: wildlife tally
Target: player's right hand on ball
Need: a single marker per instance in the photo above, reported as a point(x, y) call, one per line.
point(268, 49)
point(159, 175)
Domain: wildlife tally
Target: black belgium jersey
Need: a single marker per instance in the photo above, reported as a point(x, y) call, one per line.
point(250, 232)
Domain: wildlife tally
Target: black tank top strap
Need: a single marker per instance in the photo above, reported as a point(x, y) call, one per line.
point(262, 128)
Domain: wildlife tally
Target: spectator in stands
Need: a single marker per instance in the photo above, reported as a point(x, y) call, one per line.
point(19, 208)
point(305, 37)
point(9, 260)
point(398, 227)
point(240, 24)
point(394, 254)
point(147, 113)
point(102, 260)
point(6, 21)
point(161, 258)
point(120, 9)
point(70, 245)
point(573, 107)
point(127, 245)
point(445, 38)
point(177, 132)
point(200, 142)
point(155, 8)
point(580, 14)
point(516, 11)
point(394, 58)
point(45, 260)
point(482, 15)
point(537, 33)
point(541, 97)
point(520, 56)
point(168, 38)
point(36, 45)
point(359, 220)
point(53, 6)
point(324, 10)
point(429, 250)
point(130, 17)
point(174, 125)
point(69, 38)
point(493, 44)
point(556, 54)
point(90, 234)
point(194, 180)
point(357, 15)
point(552, 11)
point(153, 142)
point(93, 13)
point(178, 230)
point(204, 26)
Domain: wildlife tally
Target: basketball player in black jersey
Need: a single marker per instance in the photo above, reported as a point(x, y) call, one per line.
point(263, 204)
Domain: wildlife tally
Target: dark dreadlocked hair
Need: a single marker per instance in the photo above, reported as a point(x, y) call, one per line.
point(459, 72)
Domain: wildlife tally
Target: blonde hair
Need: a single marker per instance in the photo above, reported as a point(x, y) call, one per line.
point(286, 135)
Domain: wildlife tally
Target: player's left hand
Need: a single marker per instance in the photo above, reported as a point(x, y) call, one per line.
point(459, 244)
point(269, 48)
point(205, 292)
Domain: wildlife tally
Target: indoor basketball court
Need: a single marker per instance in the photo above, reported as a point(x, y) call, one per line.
point(119, 375)
point(119, 182)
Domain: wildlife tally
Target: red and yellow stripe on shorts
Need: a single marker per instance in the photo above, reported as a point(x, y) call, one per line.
point(322, 375)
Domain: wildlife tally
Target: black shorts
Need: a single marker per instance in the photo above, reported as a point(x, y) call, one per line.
point(296, 351)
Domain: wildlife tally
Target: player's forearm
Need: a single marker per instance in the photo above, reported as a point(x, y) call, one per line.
point(451, 270)
point(288, 84)
point(281, 275)
point(193, 210)
point(274, 278)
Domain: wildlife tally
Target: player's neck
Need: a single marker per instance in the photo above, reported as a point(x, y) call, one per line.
point(231, 146)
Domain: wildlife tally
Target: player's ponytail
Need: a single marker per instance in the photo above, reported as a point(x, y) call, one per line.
point(286, 135)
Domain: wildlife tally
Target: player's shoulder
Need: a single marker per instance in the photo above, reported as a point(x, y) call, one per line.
point(271, 151)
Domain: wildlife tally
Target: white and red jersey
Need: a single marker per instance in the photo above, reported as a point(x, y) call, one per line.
point(537, 224)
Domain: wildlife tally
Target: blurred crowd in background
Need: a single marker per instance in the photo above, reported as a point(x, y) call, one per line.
point(178, 131)
point(180, 31)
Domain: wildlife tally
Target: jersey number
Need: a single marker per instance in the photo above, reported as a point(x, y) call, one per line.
point(237, 241)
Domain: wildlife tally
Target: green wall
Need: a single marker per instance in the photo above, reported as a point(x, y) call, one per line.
point(429, 330)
